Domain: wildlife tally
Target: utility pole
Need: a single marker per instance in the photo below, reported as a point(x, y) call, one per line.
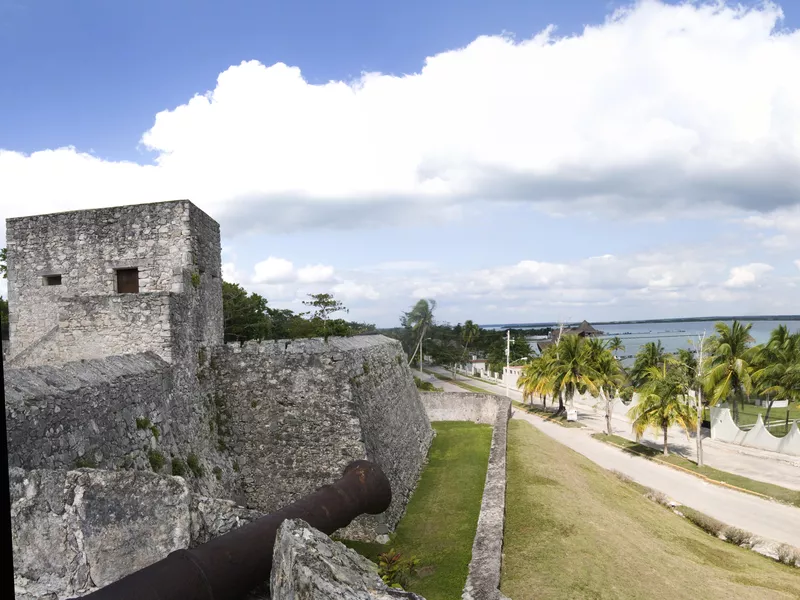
point(508, 359)
point(420, 351)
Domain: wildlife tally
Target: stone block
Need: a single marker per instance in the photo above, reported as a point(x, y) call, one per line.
point(308, 565)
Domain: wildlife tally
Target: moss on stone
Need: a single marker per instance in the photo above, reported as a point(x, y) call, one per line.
point(143, 423)
point(217, 473)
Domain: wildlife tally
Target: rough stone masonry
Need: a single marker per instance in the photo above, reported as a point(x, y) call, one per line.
point(117, 362)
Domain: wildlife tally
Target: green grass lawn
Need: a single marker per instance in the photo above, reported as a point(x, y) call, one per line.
point(442, 515)
point(547, 415)
point(575, 530)
point(776, 492)
point(749, 414)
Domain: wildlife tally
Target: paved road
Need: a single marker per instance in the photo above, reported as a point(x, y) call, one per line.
point(760, 465)
point(764, 518)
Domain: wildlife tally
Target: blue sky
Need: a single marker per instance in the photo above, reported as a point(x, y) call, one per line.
point(490, 173)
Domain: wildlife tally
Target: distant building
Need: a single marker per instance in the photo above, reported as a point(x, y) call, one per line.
point(585, 329)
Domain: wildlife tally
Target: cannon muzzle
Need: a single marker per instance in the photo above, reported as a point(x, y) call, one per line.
point(233, 564)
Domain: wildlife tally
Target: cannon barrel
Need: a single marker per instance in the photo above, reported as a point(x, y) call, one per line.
point(231, 565)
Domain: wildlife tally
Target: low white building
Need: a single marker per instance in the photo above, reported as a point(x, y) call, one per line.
point(511, 375)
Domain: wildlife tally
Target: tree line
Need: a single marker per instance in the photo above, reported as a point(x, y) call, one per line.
point(674, 389)
point(451, 345)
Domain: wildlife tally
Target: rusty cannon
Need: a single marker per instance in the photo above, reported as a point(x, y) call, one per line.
point(231, 565)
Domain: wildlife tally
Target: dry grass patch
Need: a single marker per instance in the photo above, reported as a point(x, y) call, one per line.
point(574, 530)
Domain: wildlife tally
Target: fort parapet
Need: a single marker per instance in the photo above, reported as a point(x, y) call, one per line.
point(117, 363)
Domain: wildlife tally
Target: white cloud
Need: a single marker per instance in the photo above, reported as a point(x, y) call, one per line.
point(316, 274)
point(747, 275)
point(797, 263)
point(274, 270)
point(661, 105)
point(230, 273)
point(350, 291)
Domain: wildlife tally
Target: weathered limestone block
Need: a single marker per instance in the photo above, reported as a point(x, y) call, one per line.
point(212, 517)
point(73, 531)
point(308, 565)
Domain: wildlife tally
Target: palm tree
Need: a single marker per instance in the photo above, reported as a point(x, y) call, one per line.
point(534, 380)
point(776, 367)
point(651, 354)
point(420, 319)
point(469, 332)
point(569, 368)
point(607, 376)
point(729, 372)
point(615, 345)
point(663, 402)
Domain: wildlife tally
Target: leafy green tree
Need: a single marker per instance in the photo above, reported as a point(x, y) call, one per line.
point(569, 369)
point(4, 262)
point(324, 306)
point(607, 376)
point(3, 318)
point(650, 355)
point(729, 374)
point(663, 402)
point(616, 346)
point(469, 333)
point(776, 367)
point(245, 315)
point(419, 319)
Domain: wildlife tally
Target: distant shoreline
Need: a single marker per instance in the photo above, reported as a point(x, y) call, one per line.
point(679, 320)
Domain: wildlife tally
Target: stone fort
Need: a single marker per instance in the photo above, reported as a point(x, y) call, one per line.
point(117, 377)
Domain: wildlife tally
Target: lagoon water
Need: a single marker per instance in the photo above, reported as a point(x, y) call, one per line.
point(675, 335)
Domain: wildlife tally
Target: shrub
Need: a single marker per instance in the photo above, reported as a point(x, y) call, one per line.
point(156, 459)
point(426, 386)
point(196, 280)
point(236, 466)
point(193, 462)
point(396, 571)
point(788, 555)
point(622, 477)
point(85, 462)
point(657, 497)
point(737, 536)
point(178, 467)
point(142, 423)
point(156, 433)
point(704, 522)
point(217, 473)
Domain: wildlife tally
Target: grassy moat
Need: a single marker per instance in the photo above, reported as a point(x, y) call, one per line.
point(442, 516)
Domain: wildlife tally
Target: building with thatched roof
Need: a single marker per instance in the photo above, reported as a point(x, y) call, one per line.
point(585, 329)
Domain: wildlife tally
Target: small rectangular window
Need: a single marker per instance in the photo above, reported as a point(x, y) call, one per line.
point(128, 281)
point(52, 280)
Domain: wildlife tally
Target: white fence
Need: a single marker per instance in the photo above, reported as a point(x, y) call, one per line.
point(725, 430)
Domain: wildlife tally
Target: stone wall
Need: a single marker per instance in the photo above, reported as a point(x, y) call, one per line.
point(75, 531)
point(295, 413)
point(85, 248)
point(98, 326)
point(460, 406)
point(122, 412)
point(483, 579)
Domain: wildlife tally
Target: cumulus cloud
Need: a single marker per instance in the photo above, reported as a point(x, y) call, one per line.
point(274, 270)
point(747, 275)
point(350, 290)
point(660, 106)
